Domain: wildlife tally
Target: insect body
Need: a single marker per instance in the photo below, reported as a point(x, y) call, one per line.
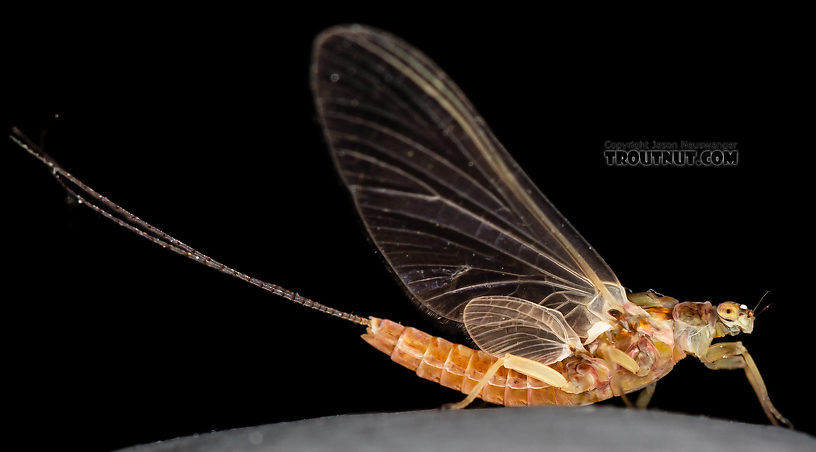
point(474, 242)
point(625, 360)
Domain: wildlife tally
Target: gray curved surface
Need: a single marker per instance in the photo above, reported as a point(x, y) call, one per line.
point(503, 430)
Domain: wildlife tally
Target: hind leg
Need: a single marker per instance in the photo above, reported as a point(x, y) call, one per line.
point(474, 393)
point(523, 365)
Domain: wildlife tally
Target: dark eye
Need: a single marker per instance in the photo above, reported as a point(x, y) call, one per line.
point(728, 310)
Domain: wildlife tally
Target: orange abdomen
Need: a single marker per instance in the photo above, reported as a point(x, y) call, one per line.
point(461, 368)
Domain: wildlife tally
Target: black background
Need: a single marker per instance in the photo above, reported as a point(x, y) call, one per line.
point(202, 122)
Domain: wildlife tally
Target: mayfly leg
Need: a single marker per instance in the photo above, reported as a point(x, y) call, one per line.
point(733, 355)
point(645, 396)
point(613, 358)
point(87, 196)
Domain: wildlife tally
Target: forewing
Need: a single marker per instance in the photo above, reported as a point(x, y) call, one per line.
point(501, 325)
point(451, 212)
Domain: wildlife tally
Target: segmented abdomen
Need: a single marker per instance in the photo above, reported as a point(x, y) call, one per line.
point(459, 367)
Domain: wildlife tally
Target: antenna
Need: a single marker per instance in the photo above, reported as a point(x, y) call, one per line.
point(760, 300)
point(127, 220)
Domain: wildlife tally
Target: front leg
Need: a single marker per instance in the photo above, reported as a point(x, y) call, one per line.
point(733, 355)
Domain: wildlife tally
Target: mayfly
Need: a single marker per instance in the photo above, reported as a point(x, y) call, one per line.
point(474, 242)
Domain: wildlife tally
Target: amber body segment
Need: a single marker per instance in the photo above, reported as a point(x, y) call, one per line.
point(460, 368)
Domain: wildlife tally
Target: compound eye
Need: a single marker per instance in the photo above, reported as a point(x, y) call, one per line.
point(728, 310)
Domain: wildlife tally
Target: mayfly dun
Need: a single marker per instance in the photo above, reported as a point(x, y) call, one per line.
point(474, 242)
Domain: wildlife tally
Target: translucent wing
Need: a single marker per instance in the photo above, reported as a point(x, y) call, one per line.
point(502, 325)
point(451, 212)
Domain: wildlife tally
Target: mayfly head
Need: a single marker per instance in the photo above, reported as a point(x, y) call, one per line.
point(735, 318)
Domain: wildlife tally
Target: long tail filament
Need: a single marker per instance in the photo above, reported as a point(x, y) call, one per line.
point(122, 217)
